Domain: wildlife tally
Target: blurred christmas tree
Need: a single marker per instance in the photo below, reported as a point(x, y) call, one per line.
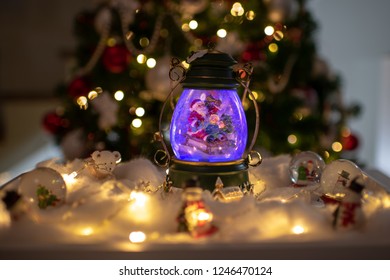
point(120, 80)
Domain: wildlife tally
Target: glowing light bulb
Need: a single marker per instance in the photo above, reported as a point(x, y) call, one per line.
point(144, 42)
point(137, 237)
point(273, 47)
point(255, 95)
point(298, 116)
point(237, 10)
point(70, 179)
point(250, 15)
point(151, 62)
point(141, 58)
point(132, 110)
point(185, 27)
point(87, 231)
point(198, 42)
point(269, 30)
point(137, 123)
point(278, 35)
point(292, 139)
point(140, 207)
point(129, 35)
point(82, 101)
point(204, 216)
point(275, 15)
point(138, 198)
point(221, 33)
point(111, 42)
point(92, 94)
point(185, 64)
point(337, 147)
point(140, 111)
point(326, 154)
point(193, 24)
point(119, 95)
point(261, 96)
point(298, 229)
point(346, 132)
point(386, 201)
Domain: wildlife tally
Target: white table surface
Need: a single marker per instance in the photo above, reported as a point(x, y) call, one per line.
point(370, 248)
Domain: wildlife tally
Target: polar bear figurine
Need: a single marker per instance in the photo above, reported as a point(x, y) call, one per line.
point(103, 163)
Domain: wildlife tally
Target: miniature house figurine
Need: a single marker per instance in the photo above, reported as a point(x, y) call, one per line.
point(226, 194)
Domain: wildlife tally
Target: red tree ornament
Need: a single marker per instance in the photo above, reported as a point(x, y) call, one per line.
point(80, 86)
point(295, 35)
point(254, 52)
point(350, 142)
point(52, 123)
point(116, 58)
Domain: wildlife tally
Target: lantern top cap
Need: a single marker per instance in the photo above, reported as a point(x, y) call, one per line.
point(210, 69)
point(211, 57)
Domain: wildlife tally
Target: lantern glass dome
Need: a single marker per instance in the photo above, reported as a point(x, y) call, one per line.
point(208, 125)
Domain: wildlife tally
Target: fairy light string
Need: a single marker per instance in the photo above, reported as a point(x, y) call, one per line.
point(105, 33)
point(173, 10)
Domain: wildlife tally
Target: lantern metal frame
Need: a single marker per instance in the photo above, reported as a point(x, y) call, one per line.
point(232, 173)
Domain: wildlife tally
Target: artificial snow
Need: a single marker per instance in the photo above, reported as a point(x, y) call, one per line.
point(106, 211)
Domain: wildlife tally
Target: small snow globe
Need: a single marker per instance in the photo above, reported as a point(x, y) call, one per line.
point(337, 177)
point(306, 168)
point(43, 187)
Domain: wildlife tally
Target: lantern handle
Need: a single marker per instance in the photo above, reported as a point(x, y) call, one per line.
point(243, 76)
point(177, 74)
point(257, 123)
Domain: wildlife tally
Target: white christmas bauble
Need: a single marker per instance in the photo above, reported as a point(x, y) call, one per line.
point(281, 10)
point(191, 7)
point(43, 187)
point(157, 79)
point(309, 98)
point(231, 44)
point(337, 177)
point(306, 168)
point(73, 144)
point(103, 20)
point(127, 9)
point(107, 108)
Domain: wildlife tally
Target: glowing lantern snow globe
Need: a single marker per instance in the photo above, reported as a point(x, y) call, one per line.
point(208, 131)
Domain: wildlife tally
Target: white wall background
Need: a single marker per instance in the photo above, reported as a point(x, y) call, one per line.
point(354, 38)
point(382, 155)
point(33, 36)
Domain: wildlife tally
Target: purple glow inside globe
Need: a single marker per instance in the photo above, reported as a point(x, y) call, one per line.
point(209, 125)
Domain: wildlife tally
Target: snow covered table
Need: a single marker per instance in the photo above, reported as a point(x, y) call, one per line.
point(278, 222)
